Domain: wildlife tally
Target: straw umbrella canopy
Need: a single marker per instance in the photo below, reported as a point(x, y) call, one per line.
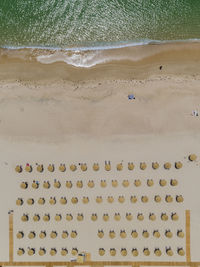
point(90, 183)
point(152, 217)
point(146, 251)
point(164, 217)
point(162, 182)
point(20, 235)
point(65, 234)
point(31, 251)
point(168, 198)
point(46, 218)
point(40, 168)
point(42, 234)
point(123, 234)
point(51, 168)
point(112, 234)
point(130, 166)
point(100, 233)
point(121, 199)
point(155, 165)
point(117, 216)
point(137, 182)
point(114, 183)
point(52, 201)
point(95, 166)
point(74, 251)
point(85, 200)
point(73, 167)
point(179, 198)
point(64, 252)
point(24, 218)
point(79, 184)
point(134, 234)
point(156, 234)
point(36, 218)
point(74, 200)
point(30, 201)
point(145, 234)
point(101, 251)
point(53, 234)
point(18, 168)
point(58, 217)
point(119, 167)
point(63, 200)
point(31, 235)
point(42, 251)
point(103, 183)
point(68, 184)
point(107, 167)
point(144, 199)
point(53, 252)
point(135, 252)
point(110, 199)
point(178, 165)
point(174, 217)
point(57, 184)
point(180, 234)
point(84, 167)
point(157, 252)
point(35, 185)
point(150, 182)
point(125, 183)
point(124, 252)
point(143, 165)
point(192, 157)
point(41, 201)
point(181, 251)
point(112, 251)
point(173, 182)
point(168, 234)
point(19, 202)
point(20, 251)
point(62, 167)
point(24, 185)
point(129, 216)
point(73, 234)
point(133, 199)
point(157, 198)
point(140, 217)
point(80, 217)
point(28, 168)
point(167, 165)
point(94, 217)
point(69, 217)
point(46, 185)
point(105, 217)
point(169, 252)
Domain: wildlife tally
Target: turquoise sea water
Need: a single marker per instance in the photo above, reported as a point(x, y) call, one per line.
point(96, 23)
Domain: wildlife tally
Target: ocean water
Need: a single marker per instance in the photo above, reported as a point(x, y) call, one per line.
point(74, 25)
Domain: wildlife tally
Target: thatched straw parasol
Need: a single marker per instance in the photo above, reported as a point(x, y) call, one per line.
point(112, 251)
point(74, 251)
point(36, 218)
point(64, 252)
point(94, 217)
point(133, 199)
point(114, 183)
point(181, 251)
point(192, 157)
point(162, 182)
point(125, 183)
point(24, 185)
point(41, 201)
point(110, 199)
point(107, 166)
point(140, 217)
point(18, 168)
point(52, 201)
point(135, 252)
point(167, 165)
point(129, 216)
point(144, 199)
point(80, 217)
point(173, 182)
point(53, 252)
point(150, 182)
point(53, 234)
point(156, 234)
point(123, 234)
point(73, 234)
point(95, 166)
point(117, 217)
point(180, 234)
point(63, 200)
point(157, 252)
point(62, 167)
point(143, 165)
point(46, 185)
point(57, 184)
point(20, 235)
point(112, 234)
point(79, 184)
point(31, 235)
point(74, 200)
point(134, 234)
point(24, 218)
point(168, 234)
point(42, 251)
point(69, 217)
point(103, 183)
point(101, 251)
point(46, 218)
point(58, 217)
point(130, 166)
point(85, 200)
point(145, 234)
point(65, 234)
point(119, 167)
point(51, 168)
point(157, 198)
point(152, 217)
point(100, 233)
point(42, 234)
point(137, 183)
point(179, 198)
point(90, 183)
point(174, 217)
point(20, 251)
point(169, 252)
point(73, 167)
point(40, 168)
point(121, 199)
point(105, 217)
point(164, 217)
point(28, 168)
point(30, 201)
point(124, 252)
point(68, 184)
point(146, 251)
point(178, 165)
point(155, 165)
point(84, 167)
point(168, 198)
point(19, 202)
point(31, 251)
point(35, 185)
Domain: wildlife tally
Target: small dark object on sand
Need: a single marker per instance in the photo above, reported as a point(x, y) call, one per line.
point(160, 67)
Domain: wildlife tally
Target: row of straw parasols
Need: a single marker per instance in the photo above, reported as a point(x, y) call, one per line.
point(83, 166)
point(43, 234)
point(43, 251)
